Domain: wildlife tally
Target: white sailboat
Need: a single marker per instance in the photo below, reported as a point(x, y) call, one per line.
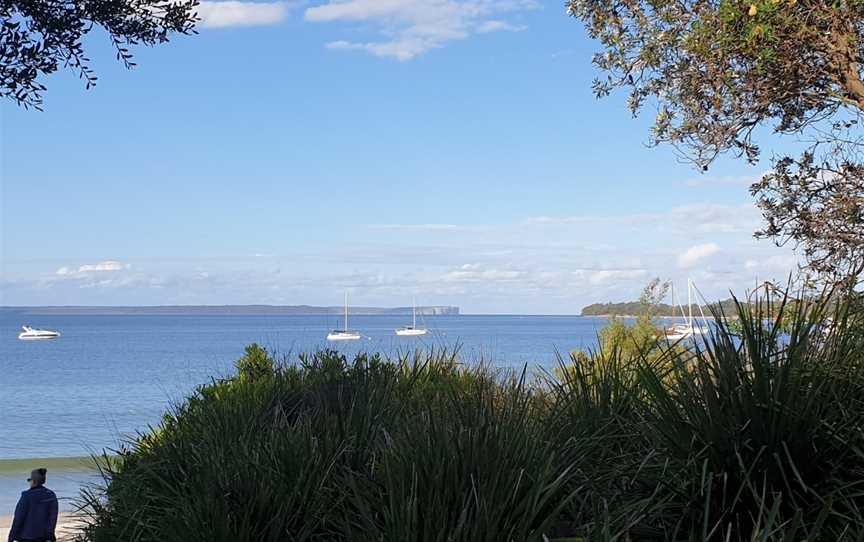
point(30, 334)
point(412, 330)
point(676, 332)
point(344, 334)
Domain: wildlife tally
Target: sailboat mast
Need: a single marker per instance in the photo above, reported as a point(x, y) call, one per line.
point(414, 313)
point(672, 293)
point(346, 311)
point(689, 307)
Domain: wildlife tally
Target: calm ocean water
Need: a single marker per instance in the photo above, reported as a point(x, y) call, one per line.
point(110, 376)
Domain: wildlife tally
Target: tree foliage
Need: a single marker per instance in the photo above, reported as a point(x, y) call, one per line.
point(39, 37)
point(638, 339)
point(256, 363)
point(820, 202)
point(622, 341)
point(717, 70)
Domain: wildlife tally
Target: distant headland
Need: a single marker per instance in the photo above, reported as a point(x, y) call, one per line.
point(226, 310)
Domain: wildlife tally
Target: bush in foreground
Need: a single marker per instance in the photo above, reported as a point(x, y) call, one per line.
point(420, 448)
point(755, 435)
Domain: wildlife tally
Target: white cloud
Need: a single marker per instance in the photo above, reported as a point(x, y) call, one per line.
point(687, 219)
point(696, 253)
point(527, 279)
point(402, 50)
point(728, 180)
point(413, 27)
point(418, 227)
point(101, 267)
point(778, 263)
point(228, 13)
point(715, 218)
point(475, 273)
point(696, 219)
point(606, 276)
point(496, 26)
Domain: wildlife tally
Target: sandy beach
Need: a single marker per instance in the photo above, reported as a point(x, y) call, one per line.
point(65, 527)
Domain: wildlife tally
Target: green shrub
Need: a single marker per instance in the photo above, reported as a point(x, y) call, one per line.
point(620, 345)
point(755, 435)
point(760, 438)
point(256, 363)
point(476, 466)
point(417, 449)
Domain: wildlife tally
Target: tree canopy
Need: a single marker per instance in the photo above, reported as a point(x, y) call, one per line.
point(39, 37)
point(717, 70)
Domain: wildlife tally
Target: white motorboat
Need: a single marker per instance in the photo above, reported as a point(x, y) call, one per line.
point(344, 334)
point(30, 334)
point(412, 330)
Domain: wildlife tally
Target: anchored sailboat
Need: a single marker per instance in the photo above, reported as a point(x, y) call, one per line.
point(412, 330)
point(344, 334)
point(686, 330)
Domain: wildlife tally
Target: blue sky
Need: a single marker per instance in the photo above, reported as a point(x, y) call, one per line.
point(450, 150)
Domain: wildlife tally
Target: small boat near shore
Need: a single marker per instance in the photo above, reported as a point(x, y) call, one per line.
point(682, 331)
point(687, 330)
point(31, 334)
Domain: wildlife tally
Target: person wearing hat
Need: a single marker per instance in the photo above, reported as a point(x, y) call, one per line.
point(36, 513)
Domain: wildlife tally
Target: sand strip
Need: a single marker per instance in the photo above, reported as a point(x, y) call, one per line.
point(65, 527)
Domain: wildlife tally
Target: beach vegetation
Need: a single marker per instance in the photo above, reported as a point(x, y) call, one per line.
point(749, 435)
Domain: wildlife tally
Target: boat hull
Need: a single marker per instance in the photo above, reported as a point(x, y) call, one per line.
point(26, 337)
point(410, 332)
point(683, 333)
point(343, 336)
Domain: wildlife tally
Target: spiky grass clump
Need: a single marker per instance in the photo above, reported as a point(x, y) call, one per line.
point(759, 433)
point(417, 449)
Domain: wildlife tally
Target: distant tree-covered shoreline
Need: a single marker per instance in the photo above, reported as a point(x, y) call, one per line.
point(634, 308)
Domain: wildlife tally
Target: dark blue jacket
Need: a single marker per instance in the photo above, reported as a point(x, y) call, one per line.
point(35, 515)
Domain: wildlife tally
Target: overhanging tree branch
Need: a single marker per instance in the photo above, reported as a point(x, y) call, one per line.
point(39, 37)
point(719, 69)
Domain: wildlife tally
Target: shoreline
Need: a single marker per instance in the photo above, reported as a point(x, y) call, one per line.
point(24, 465)
point(707, 317)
